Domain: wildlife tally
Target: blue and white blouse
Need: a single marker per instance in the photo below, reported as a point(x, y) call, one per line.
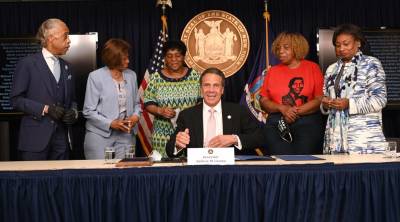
point(358, 128)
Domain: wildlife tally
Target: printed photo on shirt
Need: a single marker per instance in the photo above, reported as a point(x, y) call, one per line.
point(294, 97)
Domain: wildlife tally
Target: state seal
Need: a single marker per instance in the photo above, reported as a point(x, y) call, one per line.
point(218, 39)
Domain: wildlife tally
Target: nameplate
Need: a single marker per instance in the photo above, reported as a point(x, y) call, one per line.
point(211, 156)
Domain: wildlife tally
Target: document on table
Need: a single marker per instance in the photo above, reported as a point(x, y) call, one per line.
point(253, 157)
point(298, 157)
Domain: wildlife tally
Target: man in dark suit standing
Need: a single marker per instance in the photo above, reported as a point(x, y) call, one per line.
point(214, 123)
point(43, 90)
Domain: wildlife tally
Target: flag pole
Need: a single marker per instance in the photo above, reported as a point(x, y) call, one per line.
point(163, 4)
point(145, 125)
point(164, 25)
point(267, 18)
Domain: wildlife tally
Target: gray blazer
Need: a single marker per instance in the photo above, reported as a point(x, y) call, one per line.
point(101, 100)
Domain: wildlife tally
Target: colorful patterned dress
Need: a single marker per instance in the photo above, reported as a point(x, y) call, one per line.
point(174, 93)
point(358, 128)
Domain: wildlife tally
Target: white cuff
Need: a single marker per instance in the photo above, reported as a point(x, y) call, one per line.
point(46, 107)
point(239, 146)
point(76, 113)
point(176, 151)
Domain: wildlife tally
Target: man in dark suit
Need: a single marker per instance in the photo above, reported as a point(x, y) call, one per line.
point(214, 123)
point(43, 90)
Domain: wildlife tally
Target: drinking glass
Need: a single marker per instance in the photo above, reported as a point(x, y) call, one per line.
point(109, 155)
point(130, 152)
point(391, 149)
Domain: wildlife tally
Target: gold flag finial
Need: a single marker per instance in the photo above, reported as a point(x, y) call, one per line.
point(267, 18)
point(164, 2)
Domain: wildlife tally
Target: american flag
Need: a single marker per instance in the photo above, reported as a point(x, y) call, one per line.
point(146, 120)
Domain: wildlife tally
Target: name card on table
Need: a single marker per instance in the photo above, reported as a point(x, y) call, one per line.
point(211, 156)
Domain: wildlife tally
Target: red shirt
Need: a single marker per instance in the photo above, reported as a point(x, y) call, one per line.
point(293, 87)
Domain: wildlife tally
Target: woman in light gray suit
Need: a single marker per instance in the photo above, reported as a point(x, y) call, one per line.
point(111, 107)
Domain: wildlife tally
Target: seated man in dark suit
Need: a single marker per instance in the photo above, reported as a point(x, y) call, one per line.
point(214, 123)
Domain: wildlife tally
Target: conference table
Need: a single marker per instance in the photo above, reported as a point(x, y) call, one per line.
point(352, 187)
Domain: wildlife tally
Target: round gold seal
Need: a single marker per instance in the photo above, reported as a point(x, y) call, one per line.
point(218, 39)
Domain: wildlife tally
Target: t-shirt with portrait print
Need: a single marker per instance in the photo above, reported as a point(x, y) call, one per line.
point(293, 87)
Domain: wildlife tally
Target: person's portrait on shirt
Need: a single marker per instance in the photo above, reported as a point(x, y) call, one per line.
point(294, 96)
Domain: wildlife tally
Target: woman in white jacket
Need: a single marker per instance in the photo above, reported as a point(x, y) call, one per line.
point(355, 94)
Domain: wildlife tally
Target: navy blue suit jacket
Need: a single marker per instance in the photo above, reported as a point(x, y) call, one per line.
point(236, 120)
point(32, 90)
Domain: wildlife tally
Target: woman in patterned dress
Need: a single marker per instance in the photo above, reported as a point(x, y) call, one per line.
point(355, 94)
point(173, 89)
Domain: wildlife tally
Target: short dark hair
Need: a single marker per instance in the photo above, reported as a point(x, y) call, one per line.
point(349, 29)
point(174, 44)
point(215, 71)
point(113, 52)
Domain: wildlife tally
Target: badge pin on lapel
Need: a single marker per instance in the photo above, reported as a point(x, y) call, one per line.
point(229, 117)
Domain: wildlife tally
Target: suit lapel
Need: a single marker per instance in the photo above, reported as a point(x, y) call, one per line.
point(129, 99)
point(45, 71)
point(66, 78)
point(198, 123)
point(110, 88)
point(226, 120)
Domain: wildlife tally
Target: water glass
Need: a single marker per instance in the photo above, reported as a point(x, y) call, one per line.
point(130, 152)
point(391, 149)
point(109, 155)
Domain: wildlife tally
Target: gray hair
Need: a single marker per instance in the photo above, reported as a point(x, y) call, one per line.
point(45, 29)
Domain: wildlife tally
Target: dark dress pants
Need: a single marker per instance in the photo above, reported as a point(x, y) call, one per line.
point(57, 149)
